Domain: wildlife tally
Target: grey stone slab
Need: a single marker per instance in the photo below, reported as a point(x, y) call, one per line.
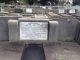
point(10, 51)
point(4, 27)
point(62, 51)
point(53, 51)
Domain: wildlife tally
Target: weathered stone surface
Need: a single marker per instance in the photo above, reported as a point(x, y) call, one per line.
point(62, 51)
point(10, 51)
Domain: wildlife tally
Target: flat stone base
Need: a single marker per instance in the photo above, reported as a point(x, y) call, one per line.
point(62, 51)
point(53, 51)
point(10, 51)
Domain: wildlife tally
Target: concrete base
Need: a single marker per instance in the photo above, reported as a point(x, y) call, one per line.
point(62, 51)
point(10, 51)
point(54, 51)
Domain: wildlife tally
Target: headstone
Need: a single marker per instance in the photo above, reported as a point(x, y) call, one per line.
point(33, 30)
